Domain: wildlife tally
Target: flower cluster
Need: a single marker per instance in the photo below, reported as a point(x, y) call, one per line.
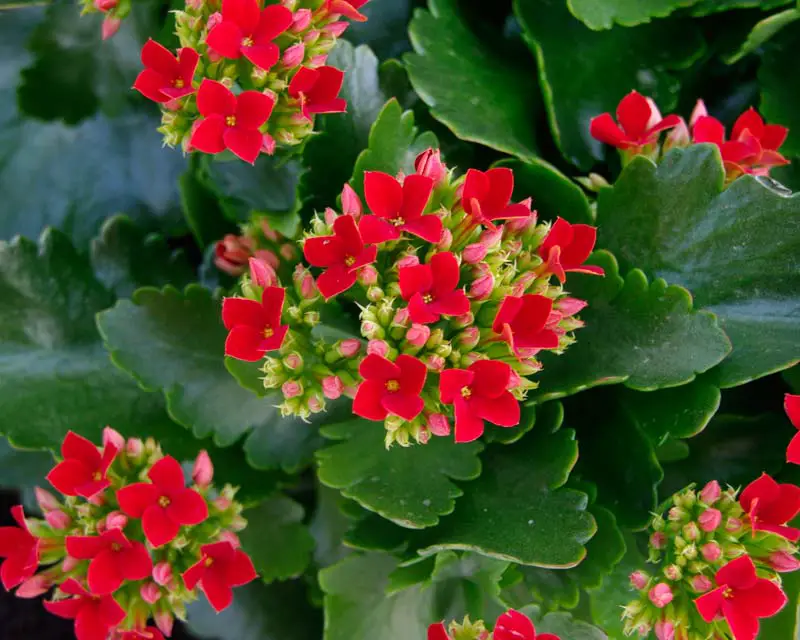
point(458, 287)
point(752, 147)
point(719, 560)
point(511, 625)
point(247, 78)
point(128, 543)
point(233, 254)
point(114, 12)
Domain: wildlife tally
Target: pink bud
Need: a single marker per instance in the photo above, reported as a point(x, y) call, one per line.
point(673, 572)
point(783, 562)
point(110, 26)
point(351, 203)
point(293, 361)
point(474, 253)
point(162, 573)
point(222, 503)
point(195, 5)
point(709, 520)
point(318, 60)
point(378, 348)
point(469, 337)
point(213, 20)
point(97, 500)
point(701, 584)
point(698, 112)
point(301, 20)
point(332, 387)
point(46, 500)
point(679, 136)
point(105, 5)
point(438, 424)
point(57, 519)
point(134, 447)
point(311, 37)
point(164, 622)
point(434, 362)
point(445, 241)
point(150, 592)
point(711, 551)
point(114, 438)
point(655, 113)
point(520, 225)
point(262, 274)
point(482, 287)
point(69, 563)
point(570, 306)
point(514, 380)
point(660, 595)
point(429, 163)
point(330, 216)
point(491, 237)
point(268, 256)
point(308, 288)
point(335, 29)
point(349, 348)
point(291, 389)
point(733, 525)
point(294, 55)
point(402, 317)
point(665, 630)
point(34, 587)
point(203, 472)
point(408, 260)
point(315, 404)
point(367, 275)
point(418, 334)
point(231, 537)
point(710, 493)
point(638, 580)
point(116, 520)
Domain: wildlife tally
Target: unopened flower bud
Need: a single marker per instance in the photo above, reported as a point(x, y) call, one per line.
point(701, 584)
point(46, 500)
point(162, 574)
point(230, 536)
point(474, 253)
point(658, 540)
point(315, 403)
point(291, 389)
point(783, 562)
point(69, 563)
point(429, 163)
point(116, 520)
point(521, 225)
point(318, 60)
point(732, 525)
point(114, 438)
point(491, 238)
point(710, 520)
point(134, 447)
point(222, 503)
point(465, 320)
point(164, 621)
point(673, 572)
point(349, 348)
point(335, 29)
point(401, 317)
point(332, 387)
point(660, 595)
point(482, 287)
point(367, 275)
point(639, 580)
point(434, 362)
point(378, 348)
point(418, 334)
point(294, 55)
point(57, 519)
point(691, 531)
point(351, 203)
point(710, 493)
point(203, 472)
point(438, 424)
point(664, 630)
point(676, 514)
point(569, 306)
point(408, 260)
point(446, 241)
point(150, 592)
point(213, 20)
point(371, 331)
point(375, 294)
point(262, 274)
point(698, 112)
point(34, 587)
point(711, 551)
point(105, 5)
point(238, 523)
point(469, 337)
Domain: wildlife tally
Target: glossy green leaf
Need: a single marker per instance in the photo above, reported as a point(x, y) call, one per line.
point(467, 584)
point(645, 334)
point(201, 207)
point(564, 625)
point(779, 78)
point(384, 31)
point(22, 468)
point(708, 7)
point(479, 94)
point(584, 73)
point(763, 31)
point(735, 249)
point(410, 486)
point(603, 14)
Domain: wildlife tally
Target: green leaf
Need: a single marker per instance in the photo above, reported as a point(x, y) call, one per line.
point(779, 79)
point(201, 208)
point(21, 468)
point(602, 14)
point(734, 249)
point(762, 32)
point(479, 94)
point(328, 526)
point(276, 539)
point(411, 486)
point(467, 584)
point(644, 334)
point(565, 626)
point(584, 73)
point(519, 509)
point(786, 624)
point(384, 30)
point(707, 7)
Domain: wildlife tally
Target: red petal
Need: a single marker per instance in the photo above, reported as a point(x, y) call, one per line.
point(412, 374)
point(501, 186)
point(303, 81)
point(633, 114)
point(784, 508)
point(773, 137)
point(491, 377)
point(275, 340)
point(416, 279)
point(17, 568)
point(225, 39)
point(444, 272)
point(272, 301)
point(136, 498)
point(375, 230)
point(85, 547)
point(708, 129)
point(214, 98)
point(476, 186)
point(74, 588)
point(273, 21)
point(749, 120)
point(454, 303)
point(583, 240)
point(765, 489)
point(104, 576)
point(187, 64)
point(67, 609)
point(765, 599)
point(503, 410)
point(263, 55)
point(241, 311)
point(240, 570)
point(793, 451)
point(604, 129)
point(79, 448)
point(244, 143)
point(335, 280)
point(513, 625)
point(346, 230)
point(167, 475)
point(790, 533)
point(744, 626)
point(739, 573)
point(772, 159)
point(207, 136)
point(367, 402)
point(533, 313)
point(515, 211)
point(589, 269)
point(134, 563)
point(451, 382)
point(92, 488)
point(375, 367)
point(18, 514)
point(194, 573)
point(507, 312)
point(560, 235)
point(665, 123)
point(219, 594)
point(709, 605)
point(244, 343)
point(187, 507)
point(422, 312)
point(89, 624)
point(245, 13)
point(426, 227)
point(323, 251)
point(11, 540)
point(383, 194)
point(110, 612)
point(158, 527)
point(68, 475)
point(401, 404)
point(150, 83)
point(437, 631)
point(159, 59)
point(327, 86)
point(469, 426)
point(416, 193)
point(253, 109)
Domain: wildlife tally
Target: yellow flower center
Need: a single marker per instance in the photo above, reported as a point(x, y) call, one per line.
point(349, 261)
point(97, 476)
point(392, 385)
point(163, 501)
point(728, 593)
point(466, 392)
point(398, 222)
point(178, 83)
point(247, 42)
point(427, 298)
point(268, 332)
point(115, 547)
point(230, 121)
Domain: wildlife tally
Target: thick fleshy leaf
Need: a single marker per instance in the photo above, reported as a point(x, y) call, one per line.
point(384, 30)
point(734, 249)
point(562, 625)
point(708, 7)
point(585, 73)
point(779, 79)
point(761, 33)
point(410, 486)
point(488, 98)
point(202, 210)
point(603, 14)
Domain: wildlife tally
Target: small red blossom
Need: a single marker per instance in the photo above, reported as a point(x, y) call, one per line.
point(317, 90)
point(164, 504)
point(220, 568)
point(771, 505)
point(429, 163)
point(437, 631)
point(347, 8)
point(791, 404)
point(114, 559)
point(487, 196)
point(149, 633)
point(513, 625)
point(522, 322)
point(566, 247)
point(741, 597)
point(166, 77)
point(479, 393)
point(95, 616)
point(254, 328)
point(342, 255)
point(83, 470)
point(231, 122)
point(20, 550)
point(398, 208)
point(390, 387)
point(248, 31)
point(639, 123)
point(432, 289)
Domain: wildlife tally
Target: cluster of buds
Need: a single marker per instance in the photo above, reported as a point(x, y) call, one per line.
point(129, 543)
point(259, 241)
point(455, 306)
point(719, 557)
point(247, 78)
point(511, 625)
point(752, 147)
point(114, 11)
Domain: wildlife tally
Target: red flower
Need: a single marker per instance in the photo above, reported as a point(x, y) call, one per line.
point(742, 598)
point(150, 633)
point(231, 122)
point(316, 89)
point(220, 568)
point(343, 254)
point(522, 322)
point(95, 616)
point(347, 8)
point(398, 208)
point(255, 328)
point(164, 505)
point(166, 77)
point(513, 625)
point(83, 470)
point(771, 505)
point(390, 387)
point(639, 123)
point(486, 196)
point(479, 393)
point(247, 31)
point(437, 631)
point(791, 404)
point(20, 550)
point(113, 557)
point(431, 289)
point(566, 247)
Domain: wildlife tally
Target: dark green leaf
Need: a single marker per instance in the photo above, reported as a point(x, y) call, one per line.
point(374, 533)
point(786, 624)
point(201, 208)
point(779, 78)
point(737, 250)
point(602, 14)
point(707, 7)
point(328, 526)
point(467, 584)
point(565, 626)
point(384, 30)
point(762, 32)
point(21, 468)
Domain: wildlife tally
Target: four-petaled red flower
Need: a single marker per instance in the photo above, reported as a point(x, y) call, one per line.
point(566, 247)
point(432, 289)
point(20, 550)
point(317, 90)
point(521, 321)
point(248, 31)
point(220, 568)
point(487, 196)
point(513, 625)
point(254, 327)
point(741, 597)
point(95, 616)
point(639, 123)
point(164, 505)
point(791, 403)
point(398, 208)
point(166, 77)
point(342, 255)
point(83, 470)
point(114, 559)
point(231, 122)
point(390, 387)
point(771, 505)
point(479, 393)
point(347, 8)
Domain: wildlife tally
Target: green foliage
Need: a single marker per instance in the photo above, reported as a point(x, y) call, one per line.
point(602, 14)
point(779, 82)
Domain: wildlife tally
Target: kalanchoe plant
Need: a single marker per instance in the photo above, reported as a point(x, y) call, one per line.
point(511, 625)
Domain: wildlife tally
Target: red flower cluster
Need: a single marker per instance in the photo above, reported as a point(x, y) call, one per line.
point(127, 542)
point(511, 625)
